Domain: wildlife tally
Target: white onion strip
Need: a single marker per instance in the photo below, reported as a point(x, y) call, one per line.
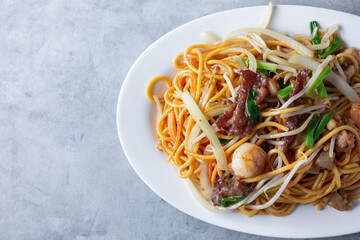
point(208, 38)
point(340, 70)
point(194, 133)
point(251, 57)
point(289, 133)
point(200, 119)
point(205, 184)
point(319, 46)
point(300, 48)
point(331, 30)
point(217, 111)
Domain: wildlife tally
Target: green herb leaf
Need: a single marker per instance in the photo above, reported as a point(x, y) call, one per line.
point(316, 38)
point(333, 46)
point(319, 79)
point(264, 72)
point(283, 93)
point(251, 107)
point(227, 201)
point(322, 91)
point(322, 125)
point(222, 140)
point(309, 137)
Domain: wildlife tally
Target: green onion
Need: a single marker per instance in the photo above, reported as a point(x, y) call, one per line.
point(263, 72)
point(266, 66)
point(309, 137)
point(315, 128)
point(322, 125)
point(222, 140)
point(319, 79)
point(251, 107)
point(283, 93)
point(316, 38)
point(322, 91)
point(260, 64)
point(333, 46)
point(227, 201)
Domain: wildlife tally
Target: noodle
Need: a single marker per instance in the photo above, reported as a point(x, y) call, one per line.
point(210, 79)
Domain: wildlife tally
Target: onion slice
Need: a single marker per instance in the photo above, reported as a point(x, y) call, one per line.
point(300, 48)
point(201, 120)
point(204, 181)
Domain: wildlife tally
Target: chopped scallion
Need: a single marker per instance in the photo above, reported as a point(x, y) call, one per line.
point(251, 108)
point(322, 125)
point(260, 64)
point(309, 137)
point(319, 79)
point(316, 38)
point(283, 93)
point(227, 201)
point(321, 90)
point(333, 46)
point(264, 72)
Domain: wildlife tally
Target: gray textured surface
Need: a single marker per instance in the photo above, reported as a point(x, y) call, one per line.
point(63, 174)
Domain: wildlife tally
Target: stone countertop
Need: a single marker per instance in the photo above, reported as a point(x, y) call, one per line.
point(63, 172)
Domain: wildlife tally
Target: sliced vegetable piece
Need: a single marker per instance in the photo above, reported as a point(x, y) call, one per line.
point(333, 46)
point(251, 108)
point(322, 125)
point(264, 72)
point(283, 93)
point(309, 137)
point(314, 29)
point(319, 79)
point(201, 120)
point(321, 90)
point(291, 43)
point(227, 201)
point(260, 64)
point(267, 66)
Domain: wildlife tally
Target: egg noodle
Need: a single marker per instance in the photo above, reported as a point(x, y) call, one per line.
point(207, 84)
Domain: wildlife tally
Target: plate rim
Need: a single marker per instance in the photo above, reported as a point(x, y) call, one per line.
point(126, 151)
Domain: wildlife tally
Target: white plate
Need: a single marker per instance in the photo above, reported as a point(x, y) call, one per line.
point(135, 121)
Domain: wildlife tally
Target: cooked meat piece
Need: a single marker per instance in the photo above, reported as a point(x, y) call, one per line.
point(227, 188)
point(291, 122)
point(344, 142)
point(236, 121)
point(338, 201)
point(324, 161)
